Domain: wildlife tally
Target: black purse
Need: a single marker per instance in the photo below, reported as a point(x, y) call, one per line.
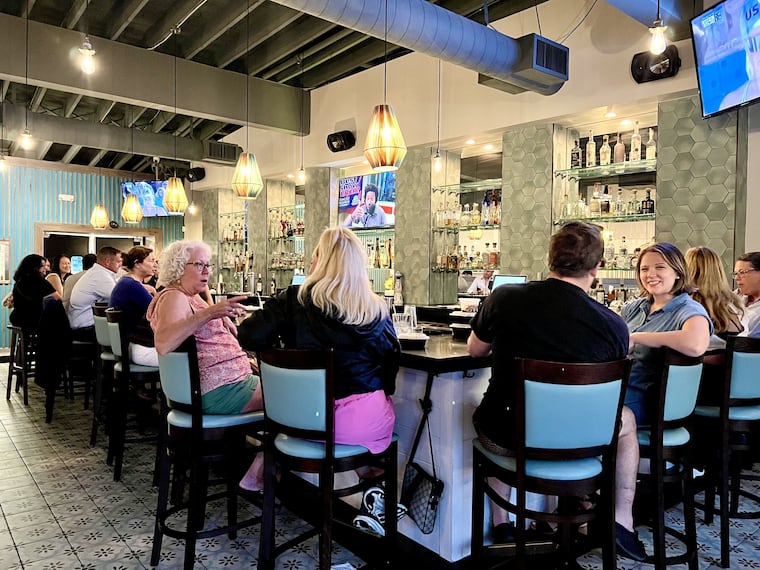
point(421, 492)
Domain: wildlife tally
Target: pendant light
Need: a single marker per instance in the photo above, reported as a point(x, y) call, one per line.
point(25, 140)
point(86, 53)
point(659, 42)
point(384, 147)
point(301, 174)
point(2, 135)
point(99, 218)
point(175, 199)
point(131, 211)
point(437, 159)
point(246, 181)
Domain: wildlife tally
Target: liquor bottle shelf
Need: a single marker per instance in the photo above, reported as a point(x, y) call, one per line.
point(461, 228)
point(614, 169)
point(608, 219)
point(286, 238)
point(471, 186)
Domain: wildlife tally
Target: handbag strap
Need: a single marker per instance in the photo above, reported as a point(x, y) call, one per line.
point(427, 405)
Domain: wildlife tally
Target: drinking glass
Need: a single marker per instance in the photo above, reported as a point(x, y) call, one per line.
point(401, 323)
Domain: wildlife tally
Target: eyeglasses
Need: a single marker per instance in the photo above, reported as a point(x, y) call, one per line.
point(743, 272)
point(200, 266)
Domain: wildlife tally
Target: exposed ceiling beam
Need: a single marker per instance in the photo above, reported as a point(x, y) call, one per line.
point(285, 44)
point(209, 130)
point(142, 164)
point(134, 115)
point(71, 153)
point(275, 19)
point(128, 13)
point(338, 47)
point(74, 14)
point(161, 121)
point(39, 95)
point(4, 89)
point(123, 159)
point(97, 158)
point(188, 127)
point(71, 104)
point(171, 18)
point(315, 49)
point(372, 50)
point(217, 27)
point(27, 7)
point(42, 148)
point(104, 107)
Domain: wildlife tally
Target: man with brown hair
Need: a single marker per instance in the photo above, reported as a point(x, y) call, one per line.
point(95, 286)
point(554, 320)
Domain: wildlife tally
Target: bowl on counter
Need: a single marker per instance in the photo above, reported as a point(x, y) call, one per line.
point(460, 331)
point(413, 340)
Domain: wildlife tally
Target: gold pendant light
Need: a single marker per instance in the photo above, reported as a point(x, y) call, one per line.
point(384, 147)
point(175, 199)
point(99, 217)
point(131, 211)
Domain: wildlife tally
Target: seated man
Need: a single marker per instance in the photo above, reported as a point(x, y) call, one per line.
point(554, 320)
point(95, 286)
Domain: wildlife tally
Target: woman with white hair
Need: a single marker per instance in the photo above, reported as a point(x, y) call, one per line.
point(178, 311)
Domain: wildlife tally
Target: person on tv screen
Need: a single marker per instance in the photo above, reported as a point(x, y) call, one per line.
point(367, 214)
point(750, 30)
point(147, 199)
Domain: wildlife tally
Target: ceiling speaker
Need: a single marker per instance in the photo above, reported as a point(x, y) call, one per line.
point(646, 66)
point(342, 140)
point(196, 174)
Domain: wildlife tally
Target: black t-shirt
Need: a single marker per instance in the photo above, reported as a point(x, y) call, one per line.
point(547, 320)
point(28, 293)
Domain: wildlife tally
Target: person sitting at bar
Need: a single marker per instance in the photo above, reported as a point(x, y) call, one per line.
point(714, 293)
point(665, 316)
point(336, 308)
point(747, 277)
point(132, 297)
point(29, 289)
point(95, 286)
point(88, 261)
point(554, 320)
point(61, 270)
point(228, 385)
point(479, 285)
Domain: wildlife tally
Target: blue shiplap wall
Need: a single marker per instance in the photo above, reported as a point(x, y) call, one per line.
point(29, 195)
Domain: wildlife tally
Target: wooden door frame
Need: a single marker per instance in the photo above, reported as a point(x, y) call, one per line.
point(43, 229)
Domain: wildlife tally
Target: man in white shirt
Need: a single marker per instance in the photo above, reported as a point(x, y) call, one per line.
point(479, 285)
point(87, 262)
point(95, 286)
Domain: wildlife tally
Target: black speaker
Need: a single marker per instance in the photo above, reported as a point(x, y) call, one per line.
point(196, 174)
point(342, 140)
point(646, 66)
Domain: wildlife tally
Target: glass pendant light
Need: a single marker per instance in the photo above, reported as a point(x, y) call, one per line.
point(384, 147)
point(131, 211)
point(175, 199)
point(437, 159)
point(301, 174)
point(659, 42)
point(99, 218)
point(2, 134)
point(87, 59)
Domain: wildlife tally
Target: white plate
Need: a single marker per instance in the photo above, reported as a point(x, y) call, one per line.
point(413, 336)
point(462, 313)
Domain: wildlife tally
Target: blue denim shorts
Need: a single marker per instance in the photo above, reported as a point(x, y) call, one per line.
point(230, 398)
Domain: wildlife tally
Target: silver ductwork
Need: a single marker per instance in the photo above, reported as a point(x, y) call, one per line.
point(424, 27)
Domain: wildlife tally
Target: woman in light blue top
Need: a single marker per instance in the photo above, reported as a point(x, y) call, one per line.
point(665, 316)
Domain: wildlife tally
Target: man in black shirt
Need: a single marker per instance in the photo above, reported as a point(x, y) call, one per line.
point(554, 320)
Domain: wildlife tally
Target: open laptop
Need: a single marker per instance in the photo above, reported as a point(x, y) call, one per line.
point(298, 279)
point(499, 280)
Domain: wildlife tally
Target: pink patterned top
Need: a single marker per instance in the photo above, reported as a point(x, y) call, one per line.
point(220, 358)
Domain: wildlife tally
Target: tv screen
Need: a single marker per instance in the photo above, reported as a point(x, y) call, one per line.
point(499, 280)
point(367, 201)
point(727, 51)
point(150, 193)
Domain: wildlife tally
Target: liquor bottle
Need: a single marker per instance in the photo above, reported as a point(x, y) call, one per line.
point(581, 208)
point(486, 257)
point(475, 215)
point(493, 257)
point(453, 259)
point(564, 209)
point(383, 256)
point(390, 253)
point(623, 252)
point(599, 294)
point(590, 149)
point(595, 206)
point(466, 219)
point(259, 285)
point(619, 208)
point(377, 252)
point(495, 210)
point(651, 146)
point(604, 205)
point(634, 206)
point(635, 153)
point(485, 209)
point(647, 204)
point(619, 150)
point(273, 286)
point(609, 246)
point(575, 155)
point(604, 151)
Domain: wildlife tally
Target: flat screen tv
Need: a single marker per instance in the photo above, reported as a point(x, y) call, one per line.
point(150, 193)
point(367, 201)
point(726, 42)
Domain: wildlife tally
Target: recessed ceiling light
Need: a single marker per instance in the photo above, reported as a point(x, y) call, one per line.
point(469, 141)
point(610, 115)
point(626, 122)
point(290, 175)
point(488, 147)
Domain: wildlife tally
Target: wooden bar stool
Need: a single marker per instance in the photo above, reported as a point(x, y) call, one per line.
point(104, 369)
point(22, 363)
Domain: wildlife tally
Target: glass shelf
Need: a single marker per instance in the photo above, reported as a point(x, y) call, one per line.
point(285, 238)
point(471, 186)
point(608, 219)
point(455, 229)
point(232, 241)
point(614, 169)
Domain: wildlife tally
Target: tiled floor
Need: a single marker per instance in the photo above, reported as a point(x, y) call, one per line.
point(61, 508)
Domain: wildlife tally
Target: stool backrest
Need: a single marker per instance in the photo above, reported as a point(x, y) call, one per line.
point(680, 383)
point(113, 316)
point(297, 388)
point(743, 370)
point(568, 410)
point(102, 334)
point(180, 377)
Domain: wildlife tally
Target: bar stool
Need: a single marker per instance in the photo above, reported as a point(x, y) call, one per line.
point(104, 369)
point(22, 363)
point(666, 443)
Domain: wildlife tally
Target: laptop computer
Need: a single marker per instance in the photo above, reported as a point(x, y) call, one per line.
point(298, 279)
point(499, 280)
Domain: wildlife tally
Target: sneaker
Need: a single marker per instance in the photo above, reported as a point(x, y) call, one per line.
point(371, 517)
point(628, 544)
point(503, 533)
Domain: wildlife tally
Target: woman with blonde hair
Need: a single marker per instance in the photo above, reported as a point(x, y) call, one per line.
point(336, 308)
point(723, 306)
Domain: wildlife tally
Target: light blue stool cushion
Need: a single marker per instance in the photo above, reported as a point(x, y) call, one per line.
point(309, 449)
point(136, 368)
point(184, 420)
point(670, 438)
point(738, 413)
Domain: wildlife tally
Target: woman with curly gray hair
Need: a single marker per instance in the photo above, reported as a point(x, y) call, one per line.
point(178, 311)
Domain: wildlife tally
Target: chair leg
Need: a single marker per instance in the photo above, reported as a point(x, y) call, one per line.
point(266, 543)
point(478, 508)
point(11, 364)
point(658, 526)
point(607, 513)
point(161, 504)
point(690, 518)
point(724, 479)
point(326, 484)
point(391, 504)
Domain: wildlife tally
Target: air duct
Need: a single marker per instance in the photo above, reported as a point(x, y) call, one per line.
point(423, 27)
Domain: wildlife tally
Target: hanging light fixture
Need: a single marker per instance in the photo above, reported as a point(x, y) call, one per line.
point(99, 218)
point(175, 199)
point(192, 208)
point(131, 211)
point(2, 135)
point(246, 180)
point(301, 174)
point(384, 147)
point(659, 42)
point(437, 159)
point(25, 140)
point(87, 59)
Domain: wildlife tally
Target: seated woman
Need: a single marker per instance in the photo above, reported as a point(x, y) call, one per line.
point(336, 308)
point(665, 316)
point(178, 311)
point(713, 292)
point(29, 289)
point(61, 269)
point(132, 298)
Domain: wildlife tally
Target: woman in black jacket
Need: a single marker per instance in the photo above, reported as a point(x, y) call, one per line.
point(336, 308)
point(29, 289)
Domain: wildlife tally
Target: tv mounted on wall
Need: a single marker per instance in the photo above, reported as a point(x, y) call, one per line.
point(367, 201)
point(150, 194)
point(726, 41)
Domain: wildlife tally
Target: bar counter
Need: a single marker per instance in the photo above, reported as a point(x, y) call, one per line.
point(458, 383)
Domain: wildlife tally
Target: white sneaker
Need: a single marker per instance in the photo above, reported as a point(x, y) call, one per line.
point(371, 517)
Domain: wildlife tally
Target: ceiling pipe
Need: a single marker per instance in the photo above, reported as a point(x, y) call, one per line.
point(423, 27)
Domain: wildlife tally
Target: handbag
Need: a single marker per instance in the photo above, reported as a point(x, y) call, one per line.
point(421, 492)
